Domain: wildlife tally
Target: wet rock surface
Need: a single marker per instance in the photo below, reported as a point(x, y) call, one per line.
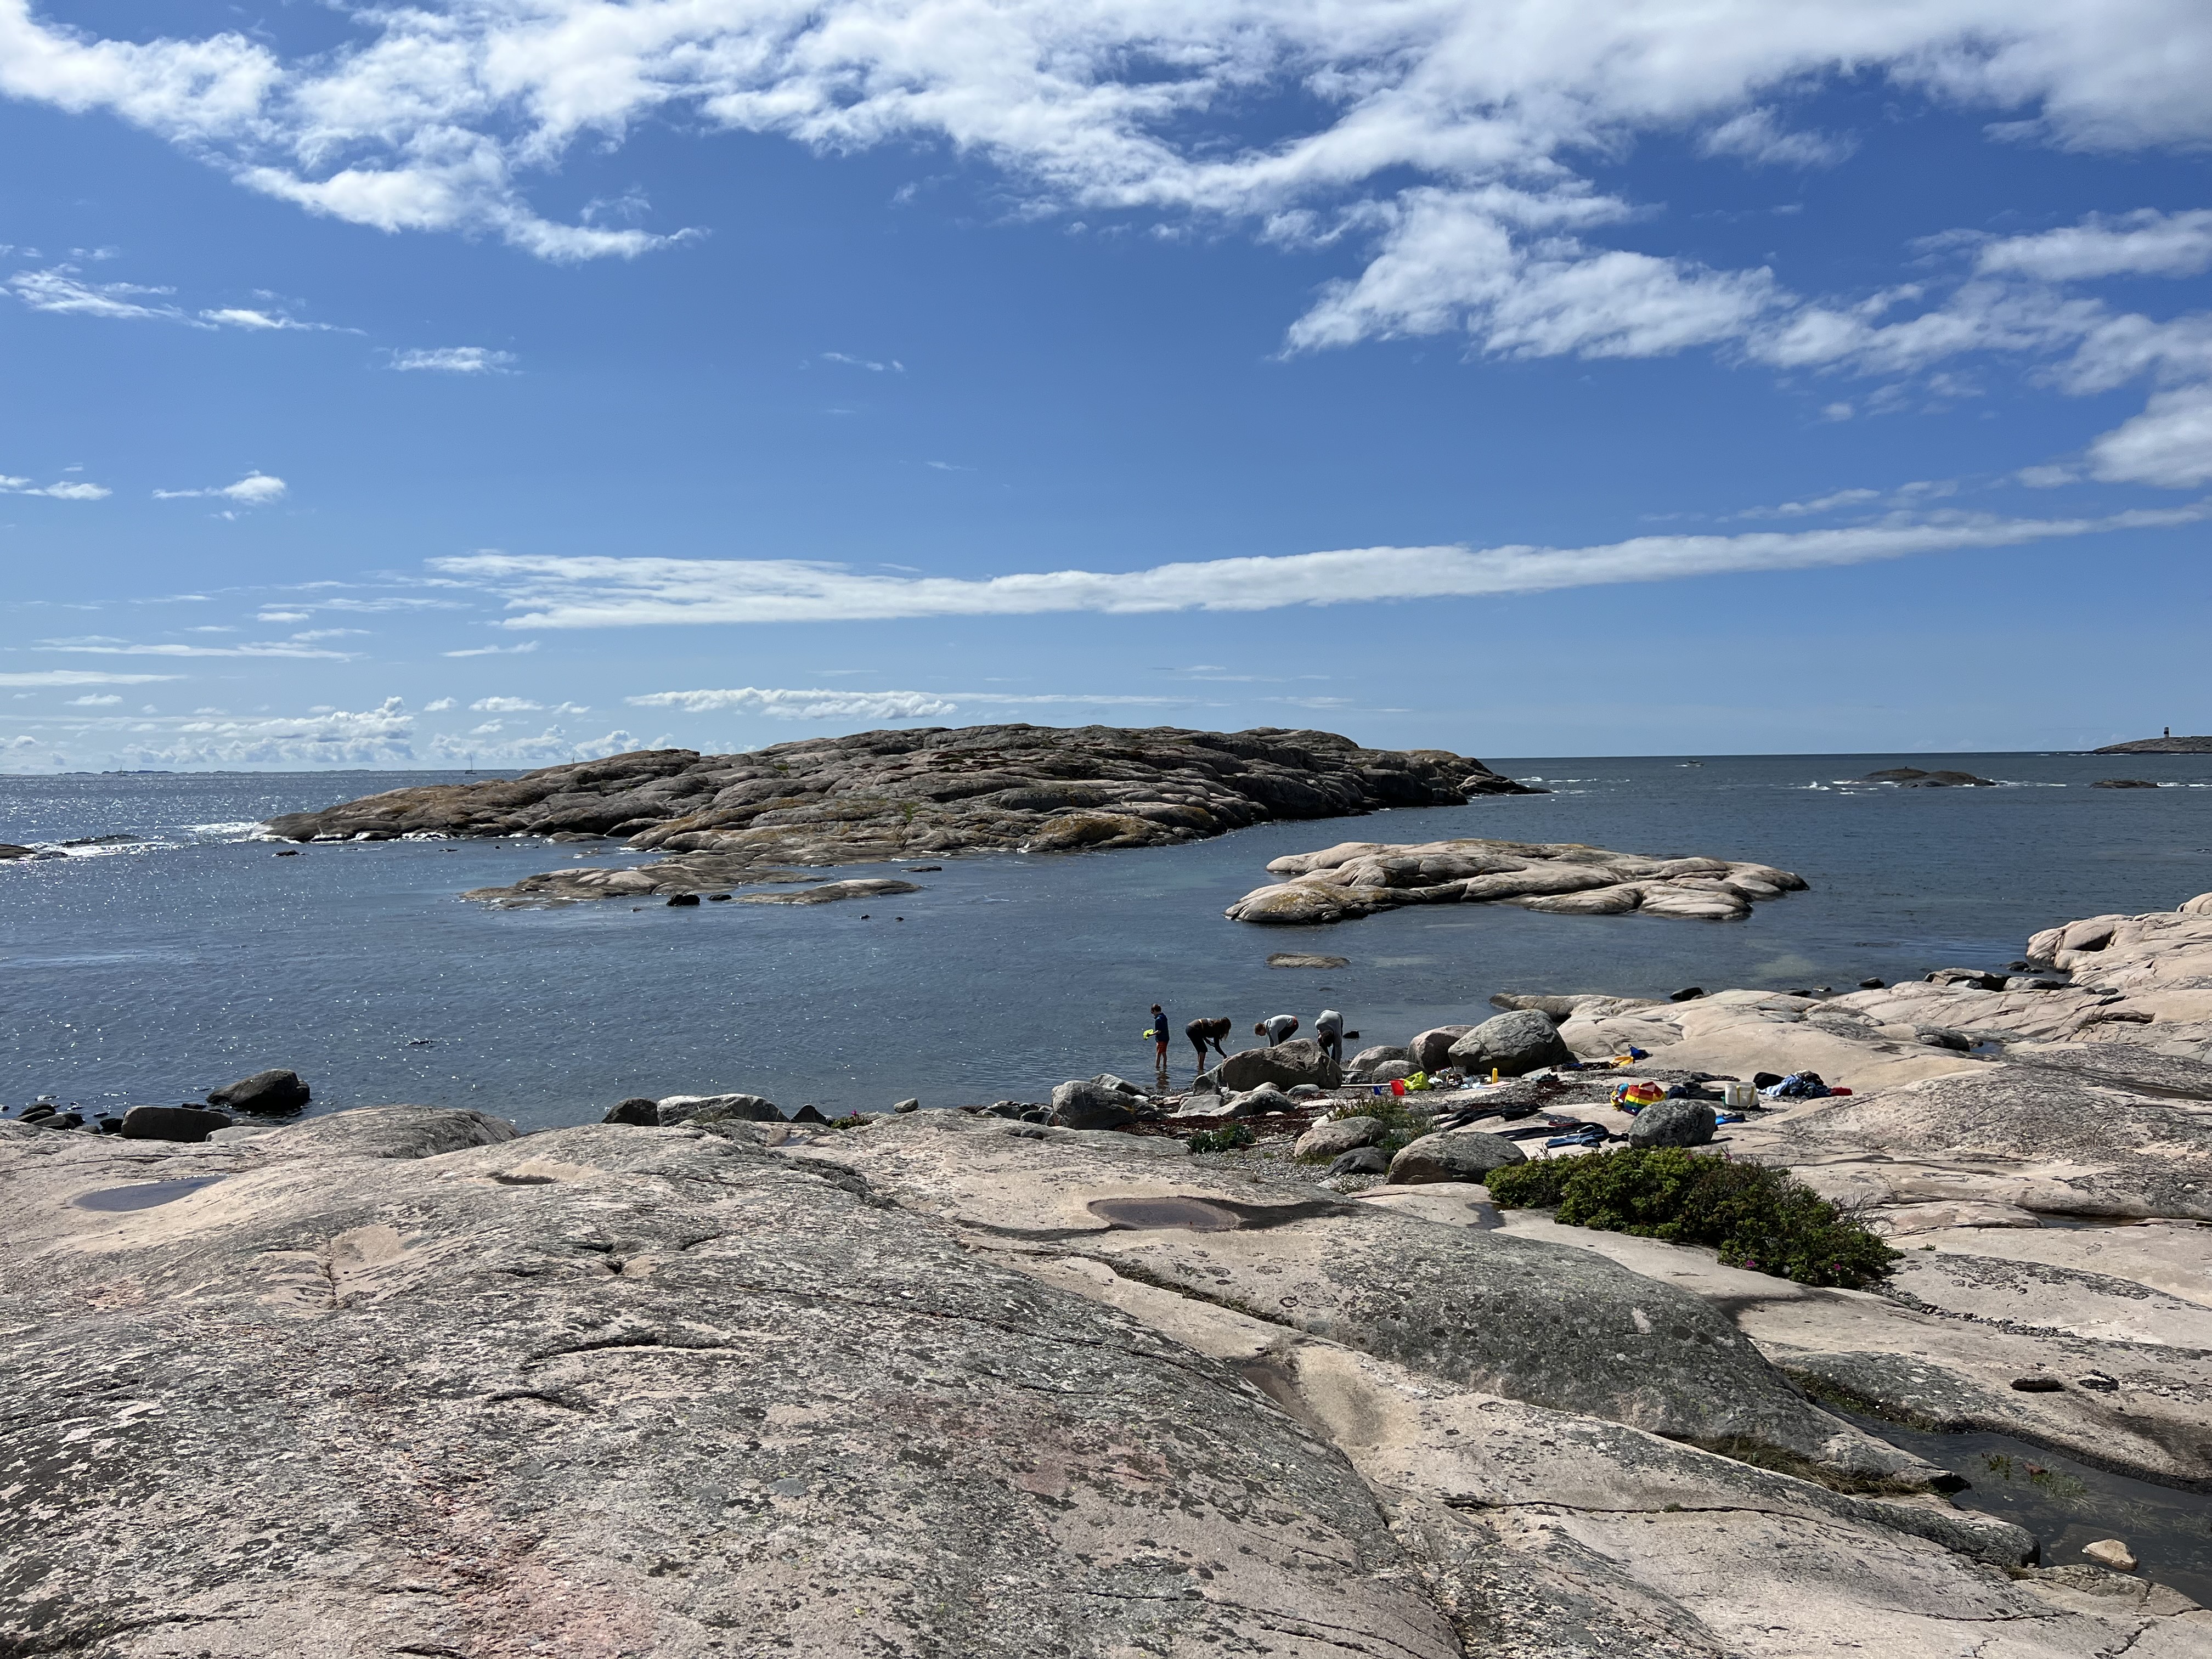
point(882, 796)
point(1360, 878)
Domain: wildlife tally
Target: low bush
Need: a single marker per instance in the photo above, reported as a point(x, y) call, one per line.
point(1226, 1139)
point(1756, 1218)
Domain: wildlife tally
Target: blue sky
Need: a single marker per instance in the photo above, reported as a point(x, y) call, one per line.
point(514, 382)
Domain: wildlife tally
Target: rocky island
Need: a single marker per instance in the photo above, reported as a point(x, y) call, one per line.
point(878, 796)
point(2165, 745)
point(701, 1381)
point(1359, 878)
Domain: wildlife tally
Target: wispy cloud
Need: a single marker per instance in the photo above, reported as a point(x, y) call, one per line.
point(66, 490)
point(525, 705)
point(62, 289)
point(95, 700)
point(495, 650)
point(817, 704)
point(102, 646)
point(254, 490)
point(892, 367)
point(453, 360)
point(615, 592)
point(81, 677)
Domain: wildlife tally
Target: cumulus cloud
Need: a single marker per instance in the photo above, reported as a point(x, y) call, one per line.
point(453, 360)
point(546, 747)
point(254, 490)
point(2169, 444)
point(437, 118)
point(616, 593)
point(440, 706)
point(327, 737)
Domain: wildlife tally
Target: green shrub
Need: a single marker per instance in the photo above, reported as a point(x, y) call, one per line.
point(1539, 1184)
point(1757, 1217)
point(1226, 1139)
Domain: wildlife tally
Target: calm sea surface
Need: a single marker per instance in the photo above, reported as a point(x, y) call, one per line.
point(155, 971)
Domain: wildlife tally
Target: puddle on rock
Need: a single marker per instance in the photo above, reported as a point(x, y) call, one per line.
point(144, 1195)
point(1194, 1215)
point(2067, 1504)
point(1206, 1215)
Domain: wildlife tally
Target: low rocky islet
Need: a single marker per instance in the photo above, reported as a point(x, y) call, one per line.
point(720, 821)
point(1358, 879)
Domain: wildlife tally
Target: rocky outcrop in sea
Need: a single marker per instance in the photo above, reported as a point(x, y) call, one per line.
point(880, 796)
point(1359, 878)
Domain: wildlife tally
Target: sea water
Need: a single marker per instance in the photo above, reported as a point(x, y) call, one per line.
point(154, 970)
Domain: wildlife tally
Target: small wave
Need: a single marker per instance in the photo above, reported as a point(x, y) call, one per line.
point(247, 829)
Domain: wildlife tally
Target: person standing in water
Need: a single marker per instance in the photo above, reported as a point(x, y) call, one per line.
point(1328, 1028)
point(1160, 1035)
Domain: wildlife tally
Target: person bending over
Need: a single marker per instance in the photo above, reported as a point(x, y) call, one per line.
point(1277, 1029)
point(1329, 1028)
point(1203, 1031)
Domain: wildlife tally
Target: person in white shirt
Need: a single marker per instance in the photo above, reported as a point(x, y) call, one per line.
point(1279, 1029)
point(1329, 1028)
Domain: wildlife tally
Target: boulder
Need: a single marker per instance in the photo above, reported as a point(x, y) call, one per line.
point(9, 850)
point(269, 1093)
point(1456, 1155)
point(1259, 1102)
point(1428, 1051)
point(1119, 1085)
point(1973, 978)
point(1392, 1071)
point(1299, 1060)
point(1511, 1044)
point(638, 1111)
point(1381, 1055)
point(1672, 1123)
point(719, 1108)
point(398, 1132)
point(910, 1105)
point(1361, 1161)
point(2111, 1552)
point(1080, 1104)
point(1306, 959)
point(1337, 1136)
point(172, 1123)
point(808, 1114)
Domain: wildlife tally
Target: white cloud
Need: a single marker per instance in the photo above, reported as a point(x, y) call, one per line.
point(111, 647)
point(257, 321)
point(60, 288)
point(332, 737)
point(893, 366)
point(81, 677)
point(440, 706)
point(548, 746)
point(436, 118)
point(816, 705)
point(254, 490)
point(65, 491)
point(276, 617)
point(453, 360)
point(615, 592)
point(803, 705)
point(2169, 444)
point(504, 705)
point(2143, 244)
point(307, 634)
point(526, 647)
point(1759, 136)
point(93, 701)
